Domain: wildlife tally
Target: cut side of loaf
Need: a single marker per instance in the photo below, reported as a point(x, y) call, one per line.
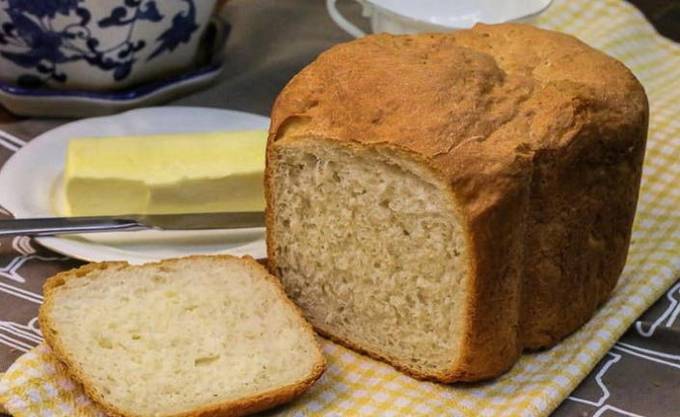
point(367, 244)
point(204, 335)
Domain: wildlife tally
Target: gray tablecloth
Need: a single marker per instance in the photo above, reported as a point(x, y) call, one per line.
point(270, 41)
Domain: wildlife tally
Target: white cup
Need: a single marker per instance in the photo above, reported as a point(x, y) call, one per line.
point(408, 16)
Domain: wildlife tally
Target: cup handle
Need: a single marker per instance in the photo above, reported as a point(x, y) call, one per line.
point(340, 20)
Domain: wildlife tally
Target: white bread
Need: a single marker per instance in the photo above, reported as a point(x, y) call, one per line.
point(198, 336)
point(445, 201)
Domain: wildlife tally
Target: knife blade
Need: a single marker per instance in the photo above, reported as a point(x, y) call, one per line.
point(49, 226)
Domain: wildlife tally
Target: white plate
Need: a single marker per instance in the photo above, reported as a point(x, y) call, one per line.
point(29, 180)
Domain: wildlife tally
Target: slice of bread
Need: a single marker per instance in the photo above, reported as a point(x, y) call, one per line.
point(197, 336)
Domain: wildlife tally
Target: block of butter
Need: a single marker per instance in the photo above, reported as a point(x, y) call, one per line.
point(170, 173)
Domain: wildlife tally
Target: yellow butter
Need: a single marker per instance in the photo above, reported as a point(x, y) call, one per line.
point(174, 173)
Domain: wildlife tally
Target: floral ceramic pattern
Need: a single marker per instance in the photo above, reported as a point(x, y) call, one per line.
point(30, 39)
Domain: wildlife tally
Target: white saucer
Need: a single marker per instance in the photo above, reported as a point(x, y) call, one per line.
point(28, 182)
point(463, 13)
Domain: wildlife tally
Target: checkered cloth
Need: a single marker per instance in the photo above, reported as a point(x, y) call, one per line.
point(358, 386)
point(37, 386)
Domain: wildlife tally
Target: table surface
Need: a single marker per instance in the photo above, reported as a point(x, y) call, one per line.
point(270, 41)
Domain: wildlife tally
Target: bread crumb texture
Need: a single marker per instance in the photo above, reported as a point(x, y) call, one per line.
point(170, 338)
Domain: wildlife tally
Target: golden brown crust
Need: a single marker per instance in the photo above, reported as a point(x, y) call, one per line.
point(541, 139)
point(233, 408)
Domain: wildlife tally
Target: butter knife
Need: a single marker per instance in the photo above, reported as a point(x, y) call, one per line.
point(194, 221)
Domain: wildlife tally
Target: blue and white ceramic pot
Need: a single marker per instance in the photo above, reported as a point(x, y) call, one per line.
point(98, 44)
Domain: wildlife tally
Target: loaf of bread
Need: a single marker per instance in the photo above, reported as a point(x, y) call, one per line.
point(198, 336)
point(445, 201)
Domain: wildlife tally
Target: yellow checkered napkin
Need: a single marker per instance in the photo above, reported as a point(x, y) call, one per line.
point(36, 385)
point(358, 386)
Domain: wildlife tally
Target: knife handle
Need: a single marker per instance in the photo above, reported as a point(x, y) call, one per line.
point(66, 225)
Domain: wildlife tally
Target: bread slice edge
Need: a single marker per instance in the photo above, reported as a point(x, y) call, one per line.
point(232, 408)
